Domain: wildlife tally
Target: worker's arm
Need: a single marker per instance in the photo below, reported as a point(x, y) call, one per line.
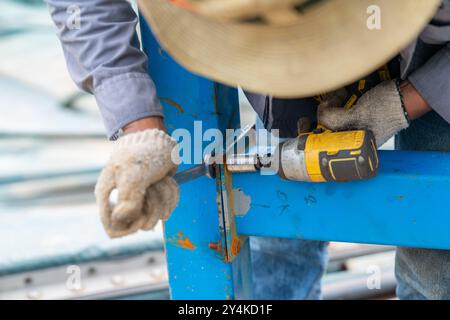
point(103, 57)
point(432, 83)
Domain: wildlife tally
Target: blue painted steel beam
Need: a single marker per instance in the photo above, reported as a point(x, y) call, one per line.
point(196, 270)
point(406, 205)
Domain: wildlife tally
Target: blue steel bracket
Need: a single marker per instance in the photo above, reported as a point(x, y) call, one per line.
point(405, 205)
point(230, 242)
point(195, 104)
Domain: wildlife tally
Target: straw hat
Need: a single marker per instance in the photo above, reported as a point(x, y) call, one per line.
point(287, 48)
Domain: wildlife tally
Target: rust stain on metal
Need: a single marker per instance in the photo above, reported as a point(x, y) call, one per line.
point(172, 102)
point(235, 246)
point(216, 246)
point(183, 242)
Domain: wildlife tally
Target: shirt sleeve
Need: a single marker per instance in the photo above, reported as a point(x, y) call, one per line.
point(432, 81)
point(103, 55)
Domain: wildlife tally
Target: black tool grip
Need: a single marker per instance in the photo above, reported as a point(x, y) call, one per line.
point(353, 164)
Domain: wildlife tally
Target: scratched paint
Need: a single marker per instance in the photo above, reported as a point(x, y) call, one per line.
point(310, 199)
point(173, 103)
point(182, 242)
point(242, 202)
point(235, 246)
point(216, 246)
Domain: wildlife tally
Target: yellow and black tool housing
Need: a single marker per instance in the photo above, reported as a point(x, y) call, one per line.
point(324, 155)
point(341, 156)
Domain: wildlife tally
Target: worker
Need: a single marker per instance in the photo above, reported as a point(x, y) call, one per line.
point(103, 58)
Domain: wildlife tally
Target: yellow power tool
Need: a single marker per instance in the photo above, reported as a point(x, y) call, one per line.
point(323, 155)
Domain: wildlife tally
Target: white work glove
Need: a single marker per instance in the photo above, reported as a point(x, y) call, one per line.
point(379, 110)
point(141, 167)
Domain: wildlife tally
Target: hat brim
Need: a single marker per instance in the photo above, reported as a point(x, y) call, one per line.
point(329, 47)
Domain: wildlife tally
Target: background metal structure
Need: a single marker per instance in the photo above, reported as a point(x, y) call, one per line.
point(402, 206)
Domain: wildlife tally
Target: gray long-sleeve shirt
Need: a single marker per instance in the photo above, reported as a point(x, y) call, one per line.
point(103, 57)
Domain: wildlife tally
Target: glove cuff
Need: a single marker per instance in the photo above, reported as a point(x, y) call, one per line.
point(154, 138)
point(398, 82)
point(398, 117)
point(150, 141)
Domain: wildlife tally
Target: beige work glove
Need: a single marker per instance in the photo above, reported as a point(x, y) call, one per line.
point(379, 110)
point(141, 167)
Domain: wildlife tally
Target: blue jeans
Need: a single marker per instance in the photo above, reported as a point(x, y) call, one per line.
point(292, 269)
point(287, 268)
point(424, 273)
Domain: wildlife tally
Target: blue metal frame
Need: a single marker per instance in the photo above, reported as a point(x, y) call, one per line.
point(196, 263)
point(402, 206)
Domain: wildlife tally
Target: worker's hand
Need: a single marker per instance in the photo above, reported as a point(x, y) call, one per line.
point(141, 167)
point(334, 98)
point(379, 110)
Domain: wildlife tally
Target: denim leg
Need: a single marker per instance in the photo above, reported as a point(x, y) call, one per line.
point(423, 273)
point(287, 268)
